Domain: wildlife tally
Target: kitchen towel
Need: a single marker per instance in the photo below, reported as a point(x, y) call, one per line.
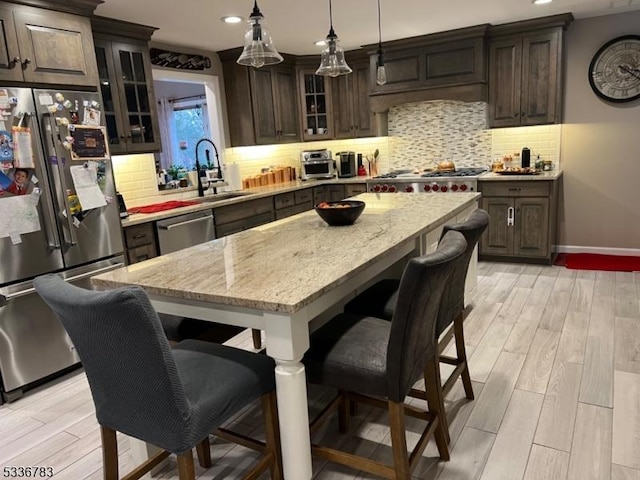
point(161, 207)
point(233, 177)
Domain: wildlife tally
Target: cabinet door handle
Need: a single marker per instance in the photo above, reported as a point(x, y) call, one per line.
point(26, 61)
point(517, 114)
point(523, 114)
point(514, 189)
point(15, 60)
point(510, 217)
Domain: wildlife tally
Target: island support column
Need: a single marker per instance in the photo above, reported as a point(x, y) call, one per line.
point(287, 339)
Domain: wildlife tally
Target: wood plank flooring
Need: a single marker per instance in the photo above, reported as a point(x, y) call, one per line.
point(555, 362)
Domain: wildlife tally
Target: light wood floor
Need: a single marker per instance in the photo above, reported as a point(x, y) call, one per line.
point(555, 360)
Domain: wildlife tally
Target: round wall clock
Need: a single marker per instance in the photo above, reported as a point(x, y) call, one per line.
point(614, 73)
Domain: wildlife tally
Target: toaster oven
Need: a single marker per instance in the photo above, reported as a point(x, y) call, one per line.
point(317, 164)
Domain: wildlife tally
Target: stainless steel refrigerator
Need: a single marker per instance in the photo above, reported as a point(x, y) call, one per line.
point(48, 229)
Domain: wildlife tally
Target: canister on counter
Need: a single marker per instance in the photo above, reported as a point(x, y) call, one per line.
point(526, 158)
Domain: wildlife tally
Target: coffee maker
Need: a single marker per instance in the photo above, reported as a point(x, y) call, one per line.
point(346, 164)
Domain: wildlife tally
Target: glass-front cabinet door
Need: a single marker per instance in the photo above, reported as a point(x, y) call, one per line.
point(126, 86)
point(110, 97)
point(316, 116)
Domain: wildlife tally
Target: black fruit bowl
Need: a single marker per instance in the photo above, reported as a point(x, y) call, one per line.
point(337, 216)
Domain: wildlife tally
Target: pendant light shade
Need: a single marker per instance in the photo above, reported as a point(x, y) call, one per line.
point(258, 46)
point(332, 62)
point(381, 72)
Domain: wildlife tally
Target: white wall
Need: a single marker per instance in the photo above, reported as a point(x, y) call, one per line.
point(600, 148)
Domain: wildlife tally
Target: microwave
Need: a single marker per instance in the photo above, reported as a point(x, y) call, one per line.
point(317, 164)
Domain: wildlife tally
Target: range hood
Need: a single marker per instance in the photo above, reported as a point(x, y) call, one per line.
point(450, 65)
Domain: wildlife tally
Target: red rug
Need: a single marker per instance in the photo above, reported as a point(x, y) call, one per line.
point(593, 261)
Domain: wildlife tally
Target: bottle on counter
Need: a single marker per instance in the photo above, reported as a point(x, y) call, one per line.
point(539, 164)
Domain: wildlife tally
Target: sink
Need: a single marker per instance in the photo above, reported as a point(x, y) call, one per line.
point(218, 197)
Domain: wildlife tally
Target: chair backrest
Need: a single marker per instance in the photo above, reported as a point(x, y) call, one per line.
point(412, 340)
point(133, 377)
point(453, 297)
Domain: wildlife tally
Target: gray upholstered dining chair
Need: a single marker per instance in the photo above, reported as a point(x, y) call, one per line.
point(381, 301)
point(171, 398)
point(368, 359)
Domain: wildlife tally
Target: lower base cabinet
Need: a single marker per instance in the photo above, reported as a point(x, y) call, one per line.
point(140, 241)
point(243, 216)
point(522, 220)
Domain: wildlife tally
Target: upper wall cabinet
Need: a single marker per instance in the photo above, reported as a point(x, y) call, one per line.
point(262, 102)
point(352, 117)
point(126, 85)
point(315, 103)
point(525, 72)
point(46, 47)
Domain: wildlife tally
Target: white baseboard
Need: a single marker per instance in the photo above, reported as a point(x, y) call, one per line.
point(628, 252)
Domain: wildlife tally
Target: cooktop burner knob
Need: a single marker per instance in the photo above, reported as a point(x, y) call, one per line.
point(444, 188)
point(408, 189)
point(385, 188)
point(376, 188)
point(454, 188)
point(463, 187)
point(427, 188)
point(436, 188)
point(392, 189)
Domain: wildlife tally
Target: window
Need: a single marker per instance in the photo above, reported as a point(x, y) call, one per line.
point(183, 122)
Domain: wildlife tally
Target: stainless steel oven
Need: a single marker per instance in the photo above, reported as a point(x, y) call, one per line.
point(317, 164)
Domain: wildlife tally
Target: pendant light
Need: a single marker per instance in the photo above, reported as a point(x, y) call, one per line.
point(381, 73)
point(332, 62)
point(258, 47)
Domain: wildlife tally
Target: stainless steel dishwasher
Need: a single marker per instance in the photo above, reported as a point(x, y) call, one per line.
point(185, 231)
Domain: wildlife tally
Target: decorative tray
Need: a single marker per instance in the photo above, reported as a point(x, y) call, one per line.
point(518, 171)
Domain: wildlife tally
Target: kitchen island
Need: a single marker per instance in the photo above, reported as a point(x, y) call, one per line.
point(280, 276)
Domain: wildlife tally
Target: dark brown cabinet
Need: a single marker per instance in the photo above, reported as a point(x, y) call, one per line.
point(353, 189)
point(262, 103)
point(352, 115)
point(292, 203)
point(525, 72)
point(46, 47)
point(141, 242)
point(275, 117)
point(235, 218)
point(126, 85)
point(328, 193)
point(523, 219)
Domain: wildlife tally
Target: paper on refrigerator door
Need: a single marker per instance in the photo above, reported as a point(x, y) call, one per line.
point(22, 149)
point(18, 215)
point(85, 181)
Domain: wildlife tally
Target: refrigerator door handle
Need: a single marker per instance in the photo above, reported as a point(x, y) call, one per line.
point(5, 299)
point(47, 208)
point(63, 183)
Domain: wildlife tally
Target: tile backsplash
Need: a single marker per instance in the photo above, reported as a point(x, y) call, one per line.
point(419, 135)
point(427, 132)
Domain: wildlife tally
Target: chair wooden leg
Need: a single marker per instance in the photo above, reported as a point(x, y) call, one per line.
point(272, 434)
point(432, 387)
point(257, 338)
point(109, 453)
point(462, 356)
point(203, 449)
point(343, 413)
point(399, 441)
point(440, 396)
point(186, 469)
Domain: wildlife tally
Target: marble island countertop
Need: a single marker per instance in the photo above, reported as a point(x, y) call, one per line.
point(285, 265)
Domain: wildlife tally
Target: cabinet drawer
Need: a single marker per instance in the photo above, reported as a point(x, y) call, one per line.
point(284, 200)
point(293, 210)
point(351, 190)
point(139, 235)
point(243, 224)
point(515, 189)
point(304, 196)
point(232, 213)
point(142, 253)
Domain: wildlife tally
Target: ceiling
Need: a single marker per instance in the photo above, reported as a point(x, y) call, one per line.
point(296, 24)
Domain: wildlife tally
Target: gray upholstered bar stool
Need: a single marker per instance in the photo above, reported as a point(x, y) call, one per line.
point(376, 361)
point(381, 300)
point(171, 398)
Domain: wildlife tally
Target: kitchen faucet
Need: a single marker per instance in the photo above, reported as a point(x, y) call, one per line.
point(200, 188)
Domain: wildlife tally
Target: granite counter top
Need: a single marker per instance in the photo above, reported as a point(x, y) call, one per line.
point(247, 194)
point(549, 175)
point(285, 265)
